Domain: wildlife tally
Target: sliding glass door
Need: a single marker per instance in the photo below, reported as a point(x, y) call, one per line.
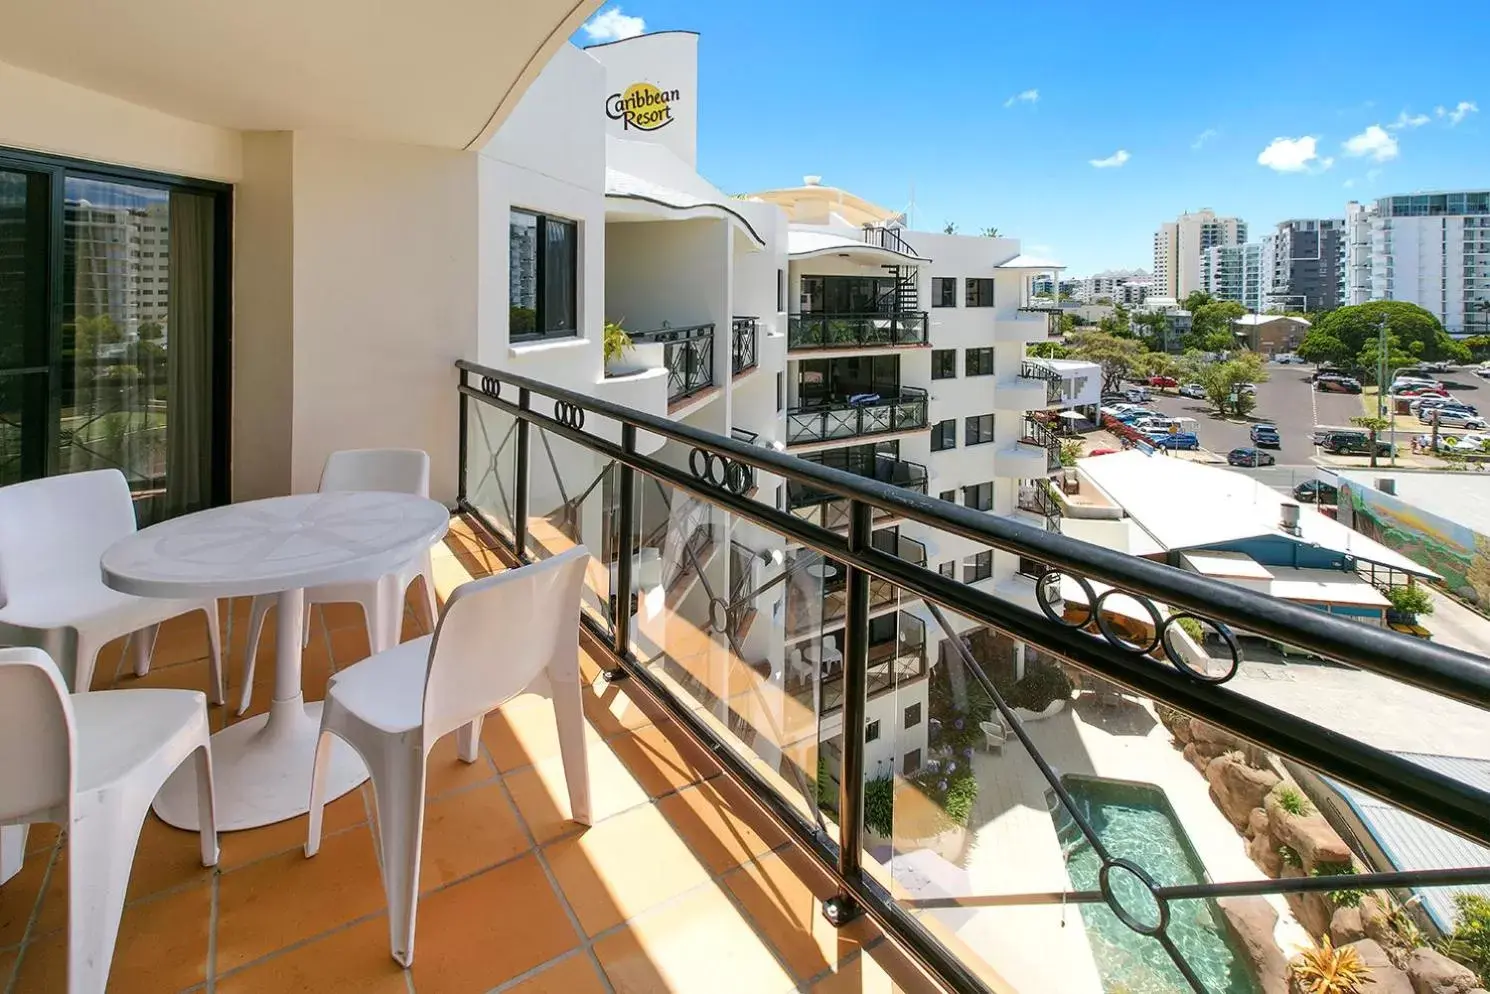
point(114, 330)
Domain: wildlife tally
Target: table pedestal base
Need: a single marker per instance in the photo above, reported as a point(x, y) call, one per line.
point(261, 770)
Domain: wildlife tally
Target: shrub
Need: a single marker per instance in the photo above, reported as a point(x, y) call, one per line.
point(961, 794)
point(1290, 800)
point(1328, 970)
point(1290, 855)
point(952, 789)
point(617, 342)
point(879, 806)
point(827, 790)
point(1412, 599)
point(1043, 682)
point(1341, 898)
point(1192, 628)
point(1470, 941)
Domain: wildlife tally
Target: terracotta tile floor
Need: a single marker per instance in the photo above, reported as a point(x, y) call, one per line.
point(680, 885)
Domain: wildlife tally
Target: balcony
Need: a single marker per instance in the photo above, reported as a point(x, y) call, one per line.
point(1028, 325)
point(821, 507)
point(859, 417)
point(688, 354)
point(1036, 434)
point(744, 344)
point(892, 663)
point(810, 332)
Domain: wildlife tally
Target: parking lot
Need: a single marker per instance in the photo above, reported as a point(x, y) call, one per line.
point(1287, 399)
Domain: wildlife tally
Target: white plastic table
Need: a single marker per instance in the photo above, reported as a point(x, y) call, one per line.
point(282, 545)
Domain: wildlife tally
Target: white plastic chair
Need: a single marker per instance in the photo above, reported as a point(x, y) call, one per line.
point(382, 597)
point(495, 638)
point(53, 532)
point(994, 735)
point(92, 763)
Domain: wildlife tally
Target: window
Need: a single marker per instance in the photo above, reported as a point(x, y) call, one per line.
point(944, 291)
point(780, 391)
point(943, 364)
point(944, 435)
point(543, 271)
point(980, 291)
point(978, 362)
point(911, 764)
point(847, 294)
point(781, 289)
point(833, 381)
point(979, 496)
point(913, 715)
point(948, 569)
point(871, 731)
point(979, 429)
point(979, 567)
point(950, 496)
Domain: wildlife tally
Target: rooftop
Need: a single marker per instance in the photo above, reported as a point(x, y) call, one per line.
point(1463, 498)
point(1256, 319)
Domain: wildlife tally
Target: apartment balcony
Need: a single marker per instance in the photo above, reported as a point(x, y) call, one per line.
point(821, 507)
point(745, 337)
point(857, 417)
point(892, 664)
point(850, 332)
point(1036, 388)
point(1027, 326)
point(687, 354)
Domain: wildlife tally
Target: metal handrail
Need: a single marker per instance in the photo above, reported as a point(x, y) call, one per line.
point(688, 355)
point(811, 330)
point(744, 344)
point(840, 419)
point(1454, 674)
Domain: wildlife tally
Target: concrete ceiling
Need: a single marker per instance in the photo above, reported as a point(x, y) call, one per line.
point(436, 72)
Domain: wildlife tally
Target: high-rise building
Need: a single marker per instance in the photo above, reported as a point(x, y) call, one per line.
point(1117, 286)
point(1357, 269)
point(1429, 249)
point(1308, 264)
point(1237, 273)
point(1178, 246)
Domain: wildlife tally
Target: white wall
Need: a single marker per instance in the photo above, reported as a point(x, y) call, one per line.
point(669, 61)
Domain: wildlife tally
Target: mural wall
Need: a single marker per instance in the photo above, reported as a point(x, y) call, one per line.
point(1459, 555)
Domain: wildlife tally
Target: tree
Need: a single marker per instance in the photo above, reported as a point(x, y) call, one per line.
point(151, 331)
point(1117, 356)
point(1158, 364)
point(1222, 381)
point(1210, 326)
point(1195, 300)
point(1322, 347)
point(1375, 426)
point(1048, 350)
point(1119, 322)
point(1152, 327)
point(1068, 324)
point(1369, 358)
point(990, 232)
point(1359, 324)
point(1478, 345)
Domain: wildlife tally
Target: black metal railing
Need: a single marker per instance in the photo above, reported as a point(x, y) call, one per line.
point(688, 354)
point(887, 238)
point(744, 344)
point(1030, 370)
point(1036, 432)
point(1035, 496)
point(892, 663)
point(1151, 668)
point(896, 472)
point(867, 415)
point(846, 331)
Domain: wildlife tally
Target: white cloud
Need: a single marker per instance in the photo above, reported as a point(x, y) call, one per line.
point(1374, 142)
point(1204, 137)
point(612, 25)
point(1113, 161)
point(1348, 184)
point(1294, 155)
point(1023, 97)
point(1460, 112)
point(1406, 120)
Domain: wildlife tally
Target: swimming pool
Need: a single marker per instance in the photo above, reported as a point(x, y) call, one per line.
point(1135, 821)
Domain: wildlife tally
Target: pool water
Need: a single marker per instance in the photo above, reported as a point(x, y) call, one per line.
point(1135, 821)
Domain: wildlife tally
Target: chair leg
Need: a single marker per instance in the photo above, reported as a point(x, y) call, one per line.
point(214, 654)
point(431, 603)
point(101, 843)
point(570, 717)
point(256, 614)
point(206, 802)
point(305, 626)
point(143, 644)
point(468, 740)
point(319, 768)
point(398, 785)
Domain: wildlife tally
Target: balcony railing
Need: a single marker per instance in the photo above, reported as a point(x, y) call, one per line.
point(671, 657)
point(870, 415)
point(896, 472)
point(688, 354)
point(1037, 433)
point(1054, 393)
point(1035, 497)
point(887, 238)
point(892, 663)
point(847, 331)
point(744, 344)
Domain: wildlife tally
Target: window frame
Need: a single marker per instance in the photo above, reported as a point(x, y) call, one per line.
point(948, 569)
point(978, 566)
point(973, 364)
point(973, 287)
point(950, 496)
point(944, 355)
point(872, 730)
point(906, 715)
point(907, 768)
point(540, 334)
point(977, 489)
point(940, 297)
point(980, 436)
point(944, 435)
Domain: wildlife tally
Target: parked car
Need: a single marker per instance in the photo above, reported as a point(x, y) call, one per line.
point(1266, 435)
point(1178, 440)
point(1163, 381)
point(1483, 372)
point(1249, 457)
point(1101, 452)
point(1429, 403)
point(1114, 398)
point(1417, 391)
point(1138, 395)
point(1246, 388)
point(1353, 443)
point(1451, 418)
point(1193, 390)
point(1428, 410)
point(1315, 492)
point(1341, 385)
point(1286, 357)
point(1465, 443)
point(1328, 373)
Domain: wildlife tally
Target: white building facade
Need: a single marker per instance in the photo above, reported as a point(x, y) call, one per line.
point(1238, 273)
point(1179, 245)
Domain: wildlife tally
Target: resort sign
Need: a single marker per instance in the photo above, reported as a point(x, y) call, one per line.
point(642, 106)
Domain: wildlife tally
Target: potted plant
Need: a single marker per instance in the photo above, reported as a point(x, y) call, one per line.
point(617, 344)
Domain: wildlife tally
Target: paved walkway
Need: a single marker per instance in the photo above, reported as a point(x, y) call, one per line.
point(1455, 625)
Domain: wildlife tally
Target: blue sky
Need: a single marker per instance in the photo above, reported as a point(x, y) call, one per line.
point(1179, 99)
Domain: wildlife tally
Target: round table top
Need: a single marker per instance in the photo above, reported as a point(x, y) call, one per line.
point(281, 543)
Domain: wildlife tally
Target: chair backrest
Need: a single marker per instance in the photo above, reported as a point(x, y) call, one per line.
point(404, 471)
point(56, 528)
point(37, 735)
point(498, 633)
